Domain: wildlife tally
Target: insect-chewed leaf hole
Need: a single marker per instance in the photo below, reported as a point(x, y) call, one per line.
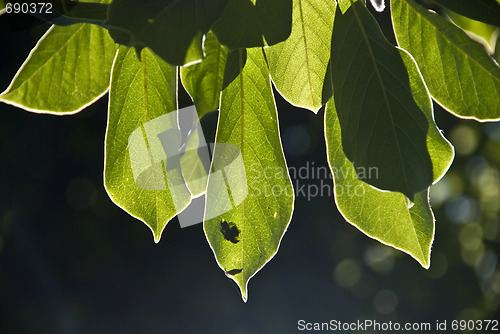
point(230, 231)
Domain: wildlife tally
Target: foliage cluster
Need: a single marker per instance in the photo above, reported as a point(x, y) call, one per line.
point(228, 54)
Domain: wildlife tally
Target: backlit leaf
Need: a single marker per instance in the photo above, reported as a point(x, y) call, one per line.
point(68, 70)
point(249, 195)
point(384, 216)
point(388, 216)
point(460, 75)
point(203, 81)
point(298, 65)
point(141, 174)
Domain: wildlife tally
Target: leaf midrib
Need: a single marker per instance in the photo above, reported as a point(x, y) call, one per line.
point(158, 228)
point(242, 148)
point(309, 80)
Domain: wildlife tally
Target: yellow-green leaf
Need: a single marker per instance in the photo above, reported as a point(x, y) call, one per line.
point(141, 174)
point(460, 75)
point(249, 195)
point(68, 70)
point(298, 65)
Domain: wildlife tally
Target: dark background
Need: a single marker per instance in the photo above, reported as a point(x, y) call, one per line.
point(73, 262)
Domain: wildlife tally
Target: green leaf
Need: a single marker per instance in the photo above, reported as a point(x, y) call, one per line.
point(460, 75)
point(249, 195)
point(173, 29)
point(487, 11)
point(2, 6)
point(387, 216)
point(68, 70)
point(139, 175)
point(298, 65)
point(384, 216)
point(203, 81)
point(382, 126)
point(249, 23)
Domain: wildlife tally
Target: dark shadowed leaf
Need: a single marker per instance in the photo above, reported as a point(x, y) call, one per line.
point(388, 216)
point(384, 216)
point(249, 23)
point(487, 11)
point(173, 29)
point(382, 126)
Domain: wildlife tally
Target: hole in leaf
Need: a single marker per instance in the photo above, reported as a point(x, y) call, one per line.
point(230, 231)
point(234, 271)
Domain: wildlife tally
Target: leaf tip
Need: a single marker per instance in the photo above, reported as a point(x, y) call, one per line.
point(425, 263)
point(244, 294)
point(156, 236)
point(2, 95)
point(243, 286)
